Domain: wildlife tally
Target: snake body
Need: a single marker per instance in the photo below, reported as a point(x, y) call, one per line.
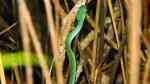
point(81, 14)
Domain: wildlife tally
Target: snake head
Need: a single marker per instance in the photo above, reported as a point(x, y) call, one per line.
point(81, 13)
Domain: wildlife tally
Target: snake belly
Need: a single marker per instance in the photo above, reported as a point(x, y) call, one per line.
point(81, 14)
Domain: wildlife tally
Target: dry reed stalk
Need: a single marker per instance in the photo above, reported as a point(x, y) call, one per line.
point(59, 9)
point(146, 40)
point(146, 20)
point(68, 22)
point(91, 21)
point(27, 18)
point(123, 68)
point(26, 43)
point(113, 22)
point(54, 42)
point(7, 29)
point(134, 30)
point(16, 72)
point(94, 52)
point(66, 5)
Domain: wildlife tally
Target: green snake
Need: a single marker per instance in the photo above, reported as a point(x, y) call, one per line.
point(81, 14)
